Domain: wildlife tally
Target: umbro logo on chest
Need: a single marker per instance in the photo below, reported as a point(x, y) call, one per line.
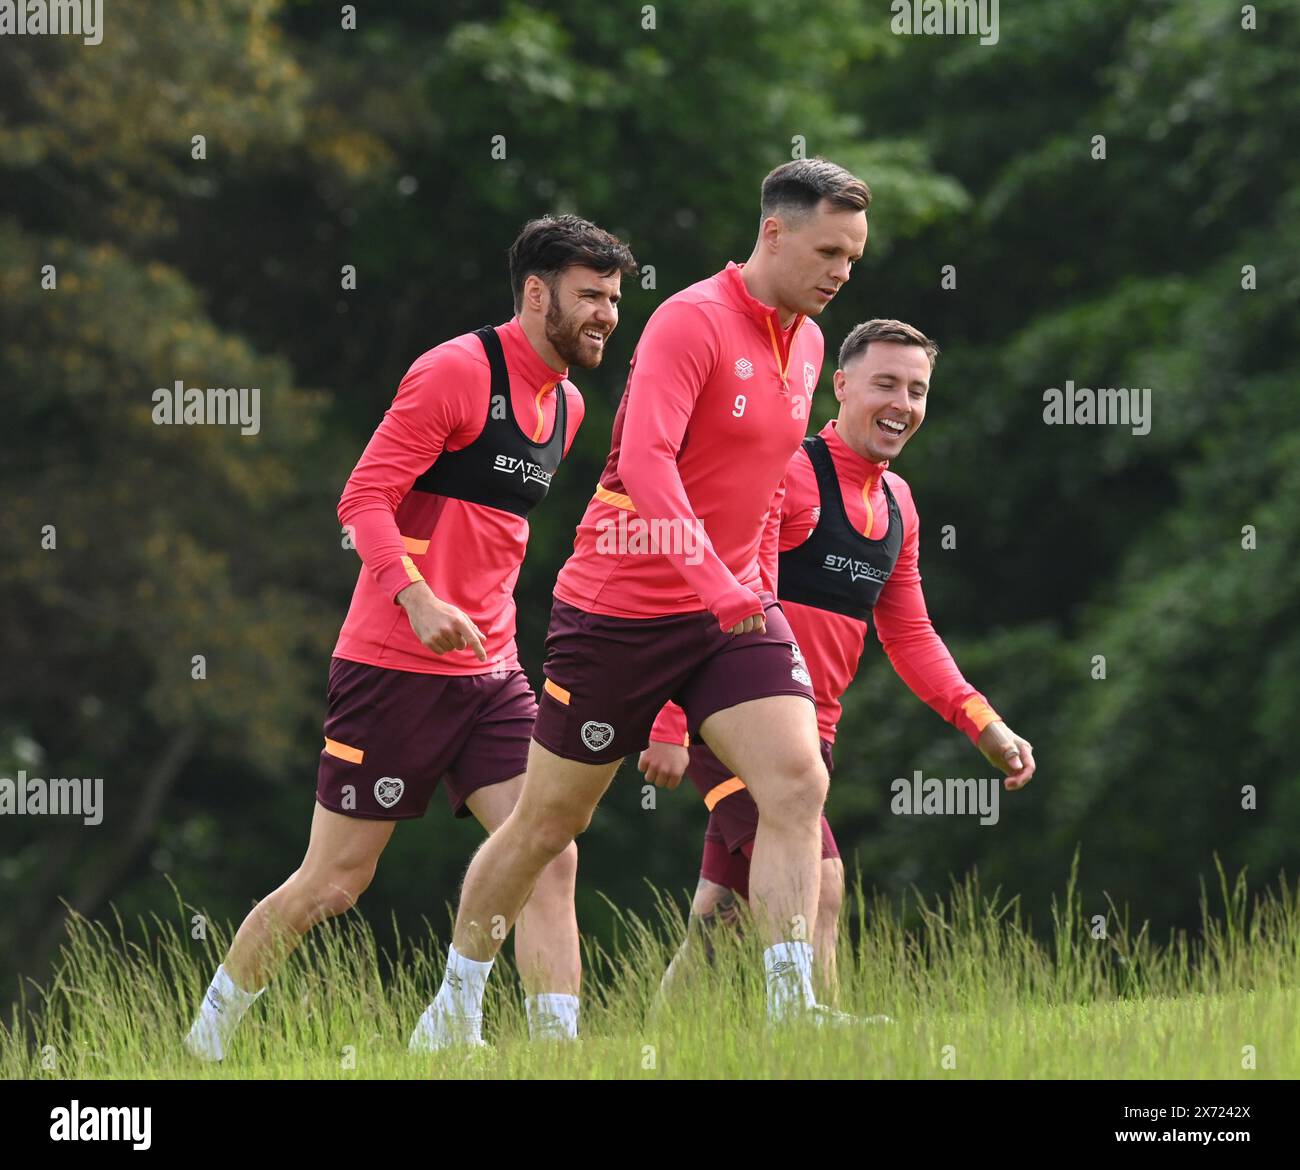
point(743, 368)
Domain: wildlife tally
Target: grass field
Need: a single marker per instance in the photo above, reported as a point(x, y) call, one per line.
point(973, 995)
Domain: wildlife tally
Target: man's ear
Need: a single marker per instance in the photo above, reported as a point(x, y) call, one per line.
point(838, 382)
point(535, 293)
point(770, 232)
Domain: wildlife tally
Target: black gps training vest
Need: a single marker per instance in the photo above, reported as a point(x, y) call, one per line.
point(502, 468)
point(837, 568)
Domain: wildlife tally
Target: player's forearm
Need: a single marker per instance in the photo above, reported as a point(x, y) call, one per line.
point(408, 440)
point(675, 358)
point(381, 547)
point(655, 487)
point(670, 726)
point(922, 660)
point(770, 547)
point(435, 396)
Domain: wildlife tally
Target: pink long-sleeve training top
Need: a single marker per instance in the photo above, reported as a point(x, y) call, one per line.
point(468, 553)
point(832, 643)
point(716, 402)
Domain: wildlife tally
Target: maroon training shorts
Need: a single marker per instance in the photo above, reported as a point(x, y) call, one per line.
point(607, 678)
point(733, 820)
point(391, 735)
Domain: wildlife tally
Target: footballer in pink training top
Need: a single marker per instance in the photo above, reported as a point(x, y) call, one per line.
point(662, 597)
point(425, 686)
point(848, 549)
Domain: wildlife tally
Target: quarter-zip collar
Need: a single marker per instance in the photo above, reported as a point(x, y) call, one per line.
point(765, 316)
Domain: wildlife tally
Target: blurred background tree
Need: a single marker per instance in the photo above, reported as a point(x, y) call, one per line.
point(372, 147)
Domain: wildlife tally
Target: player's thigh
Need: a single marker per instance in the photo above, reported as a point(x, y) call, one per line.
point(608, 678)
point(772, 744)
point(390, 735)
point(487, 775)
point(492, 804)
point(343, 843)
point(559, 795)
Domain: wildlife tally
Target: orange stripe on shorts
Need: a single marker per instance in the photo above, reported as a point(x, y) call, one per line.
point(351, 754)
point(556, 692)
point(718, 791)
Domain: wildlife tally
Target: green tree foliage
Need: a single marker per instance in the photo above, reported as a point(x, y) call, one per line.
point(131, 548)
point(412, 149)
point(1092, 541)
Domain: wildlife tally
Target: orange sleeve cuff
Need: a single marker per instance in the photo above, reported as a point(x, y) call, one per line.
point(979, 713)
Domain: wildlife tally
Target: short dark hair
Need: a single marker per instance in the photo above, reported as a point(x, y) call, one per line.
point(545, 247)
point(884, 329)
point(795, 188)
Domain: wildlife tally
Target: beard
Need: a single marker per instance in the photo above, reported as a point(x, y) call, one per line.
point(565, 335)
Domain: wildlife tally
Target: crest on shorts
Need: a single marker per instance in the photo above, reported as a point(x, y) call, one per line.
point(809, 376)
point(597, 736)
point(389, 789)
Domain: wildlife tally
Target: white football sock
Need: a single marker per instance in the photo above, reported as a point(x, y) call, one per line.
point(789, 979)
point(552, 1016)
point(223, 1007)
point(463, 983)
point(456, 1013)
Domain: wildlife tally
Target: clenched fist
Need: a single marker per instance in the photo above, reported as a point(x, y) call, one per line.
point(664, 764)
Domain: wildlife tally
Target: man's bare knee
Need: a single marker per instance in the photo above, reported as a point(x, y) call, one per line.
point(560, 875)
point(553, 828)
point(335, 890)
point(714, 909)
point(797, 797)
point(710, 897)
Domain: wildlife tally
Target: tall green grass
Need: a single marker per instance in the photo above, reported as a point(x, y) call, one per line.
point(972, 991)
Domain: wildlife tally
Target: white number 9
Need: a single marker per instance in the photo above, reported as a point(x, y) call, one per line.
point(740, 406)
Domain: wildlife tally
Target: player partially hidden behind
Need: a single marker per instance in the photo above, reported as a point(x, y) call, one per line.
point(425, 684)
point(849, 537)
